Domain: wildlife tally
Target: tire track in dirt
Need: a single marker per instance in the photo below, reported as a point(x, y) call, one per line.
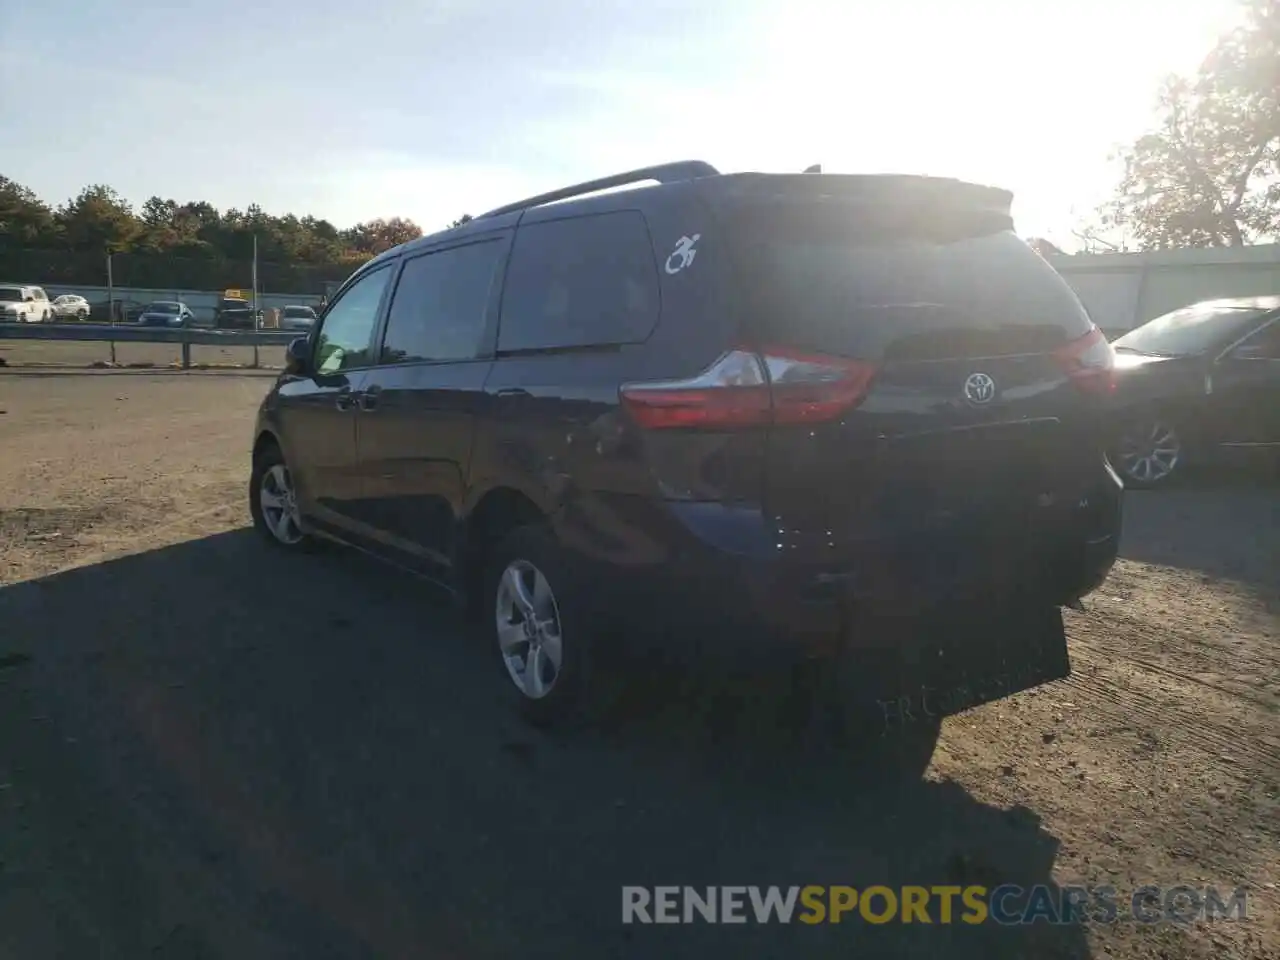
point(1157, 701)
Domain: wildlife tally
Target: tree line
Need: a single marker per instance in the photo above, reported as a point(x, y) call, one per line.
point(170, 244)
point(99, 220)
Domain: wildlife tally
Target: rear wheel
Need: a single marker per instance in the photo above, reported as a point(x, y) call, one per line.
point(1149, 452)
point(538, 617)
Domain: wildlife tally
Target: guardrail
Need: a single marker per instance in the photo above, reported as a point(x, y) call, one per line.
point(134, 333)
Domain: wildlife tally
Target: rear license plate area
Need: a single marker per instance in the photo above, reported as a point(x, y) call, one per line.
point(993, 467)
point(905, 670)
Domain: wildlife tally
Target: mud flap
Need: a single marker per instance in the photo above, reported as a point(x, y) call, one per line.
point(897, 672)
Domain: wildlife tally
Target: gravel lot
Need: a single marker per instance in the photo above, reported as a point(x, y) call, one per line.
point(207, 751)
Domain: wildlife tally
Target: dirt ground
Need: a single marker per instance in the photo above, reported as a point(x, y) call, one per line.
point(207, 750)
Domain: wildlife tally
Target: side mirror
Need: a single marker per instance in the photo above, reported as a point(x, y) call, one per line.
point(297, 357)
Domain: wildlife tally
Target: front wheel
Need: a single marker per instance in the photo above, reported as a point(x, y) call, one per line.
point(1149, 452)
point(273, 502)
point(538, 618)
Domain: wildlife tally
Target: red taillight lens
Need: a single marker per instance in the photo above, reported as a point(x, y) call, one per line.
point(1089, 361)
point(811, 388)
point(747, 388)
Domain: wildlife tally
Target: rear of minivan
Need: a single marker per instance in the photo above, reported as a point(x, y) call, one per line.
point(926, 395)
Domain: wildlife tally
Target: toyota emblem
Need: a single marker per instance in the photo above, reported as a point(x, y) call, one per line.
point(979, 388)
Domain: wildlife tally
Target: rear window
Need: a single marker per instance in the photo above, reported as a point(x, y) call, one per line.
point(898, 285)
point(584, 281)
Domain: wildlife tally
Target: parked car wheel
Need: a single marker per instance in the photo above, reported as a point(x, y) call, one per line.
point(273, 502)
point(82, 314)
point(541, 625)
point(1149, 452)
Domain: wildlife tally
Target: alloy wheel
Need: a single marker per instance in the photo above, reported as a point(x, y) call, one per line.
point(528, 622)
point(1150, 453)
point(279, 504)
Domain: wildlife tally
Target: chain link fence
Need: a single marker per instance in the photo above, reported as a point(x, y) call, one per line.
point(163, 272)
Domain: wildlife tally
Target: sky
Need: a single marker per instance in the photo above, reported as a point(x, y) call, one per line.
point(432, 108)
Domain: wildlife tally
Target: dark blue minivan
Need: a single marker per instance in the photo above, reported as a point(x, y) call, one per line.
point(851, 420)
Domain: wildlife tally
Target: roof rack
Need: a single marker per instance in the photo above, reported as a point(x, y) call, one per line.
point(662, 173)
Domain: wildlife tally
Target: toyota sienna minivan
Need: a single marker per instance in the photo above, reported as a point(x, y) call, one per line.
point(851, 421)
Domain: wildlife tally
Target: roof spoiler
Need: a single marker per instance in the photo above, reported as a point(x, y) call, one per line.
point(662, 173)
point(875, 189)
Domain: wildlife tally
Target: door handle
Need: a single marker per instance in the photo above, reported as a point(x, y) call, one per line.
point(369, 398)
point(344, 399)
point(513, 392)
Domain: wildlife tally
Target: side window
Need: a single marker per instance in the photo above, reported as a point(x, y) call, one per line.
point(1265, 344)
point(584, 281)
point(39, 294)
point(348, 326)
point(439, 307)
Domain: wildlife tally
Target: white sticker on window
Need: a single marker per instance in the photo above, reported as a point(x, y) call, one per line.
point(682, 256)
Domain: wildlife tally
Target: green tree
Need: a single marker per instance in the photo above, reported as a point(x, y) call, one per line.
point(99, 219)
point(24, 220)
point(1208, 175)
point(375, 236)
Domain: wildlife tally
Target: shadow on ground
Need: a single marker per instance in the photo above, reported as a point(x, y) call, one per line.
point(217, 751)
point(1222, 526)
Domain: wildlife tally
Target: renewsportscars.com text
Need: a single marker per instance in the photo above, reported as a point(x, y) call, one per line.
point(1007, 904)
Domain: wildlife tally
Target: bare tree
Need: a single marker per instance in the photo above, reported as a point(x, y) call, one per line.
point(1209, 174)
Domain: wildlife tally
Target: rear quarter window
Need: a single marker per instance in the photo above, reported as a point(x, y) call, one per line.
point(581, 281)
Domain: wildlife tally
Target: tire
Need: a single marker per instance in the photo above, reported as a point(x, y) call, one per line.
point(82, 315)
point(1149, 452)
point(270, 469)
point(559, 693)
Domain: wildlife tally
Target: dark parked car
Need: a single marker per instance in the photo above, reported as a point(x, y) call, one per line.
point(850, 420)
point(166, 313)
point(1199, 384)
point(235, 314)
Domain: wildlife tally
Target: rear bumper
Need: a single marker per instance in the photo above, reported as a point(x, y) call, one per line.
point(727, 605)
point(731, 585)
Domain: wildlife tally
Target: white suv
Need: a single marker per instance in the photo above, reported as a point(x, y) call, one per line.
point(24, 304)
point(71, 305)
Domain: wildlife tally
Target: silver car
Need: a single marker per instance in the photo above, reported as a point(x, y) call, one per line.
point(72, 306)
point(298, 318)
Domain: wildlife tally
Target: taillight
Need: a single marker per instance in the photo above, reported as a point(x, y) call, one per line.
point(1089, 361)
point(747, 388)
